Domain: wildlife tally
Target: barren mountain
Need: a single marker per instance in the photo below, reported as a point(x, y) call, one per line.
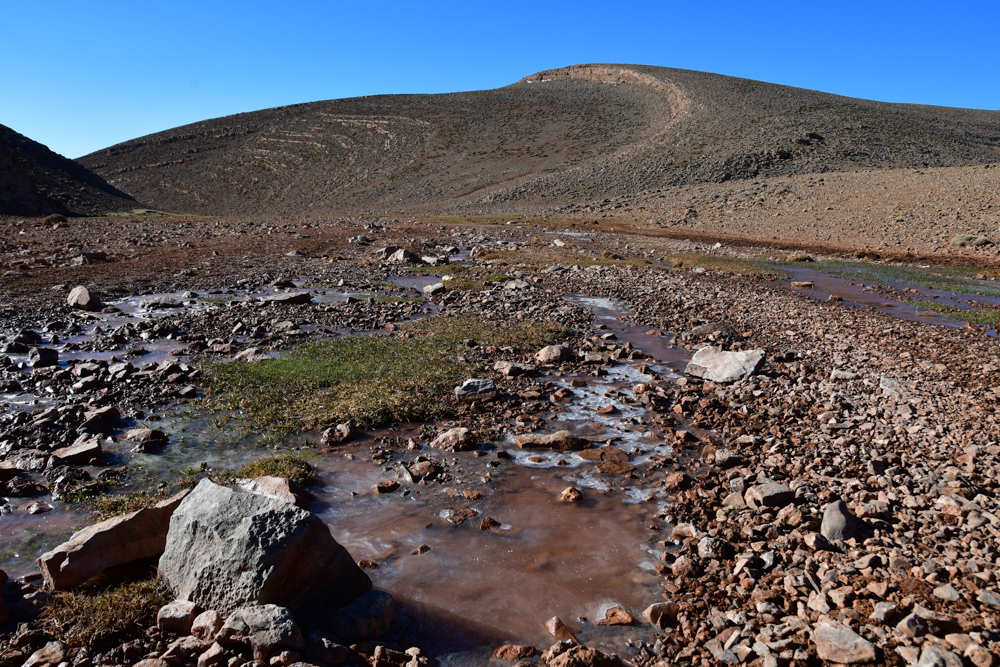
point(36, 181)
point(553, 140)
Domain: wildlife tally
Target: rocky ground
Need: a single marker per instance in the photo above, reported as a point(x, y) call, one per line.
point(833, 500)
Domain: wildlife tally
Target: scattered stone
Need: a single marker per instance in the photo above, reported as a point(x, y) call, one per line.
point(476, 390)
point(771, 494)
point(146, 440)
point(340, 434)
point(42, 357)
point(176, 617)
point(264, 628)
point(278, 488)
point(206, 625)
point(560, 441)
point(839, 523)
point(514, 652)
point(616, 616)
point(458, 439)
point(553, 354)
point(81, 299)
point(715, 364)
point(434, 290)
point(838, 643)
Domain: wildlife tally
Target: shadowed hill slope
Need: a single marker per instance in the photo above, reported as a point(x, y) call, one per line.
point(555, 138)
point(36, 181)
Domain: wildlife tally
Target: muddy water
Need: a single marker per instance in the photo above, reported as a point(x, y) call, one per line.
point(825, 285)
point(472, 588)
point(548, 558)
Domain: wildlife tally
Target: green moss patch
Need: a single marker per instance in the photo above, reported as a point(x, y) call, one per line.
point(372, 380)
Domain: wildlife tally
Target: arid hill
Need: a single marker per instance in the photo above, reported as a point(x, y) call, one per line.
point(36, 181)
point(554, 139)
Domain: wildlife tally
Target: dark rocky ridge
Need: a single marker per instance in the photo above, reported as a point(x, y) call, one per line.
point(583, 133)
point(36, 181)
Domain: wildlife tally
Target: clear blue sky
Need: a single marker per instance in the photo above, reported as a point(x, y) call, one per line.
point(82, 75)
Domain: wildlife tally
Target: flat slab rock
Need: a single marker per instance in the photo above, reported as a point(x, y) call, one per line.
point(718, 365)
point(562, 441)
point(117, 541)
point(226, 550)
point(838, 643)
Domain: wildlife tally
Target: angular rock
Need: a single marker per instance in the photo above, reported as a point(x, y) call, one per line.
point(326, 650)
point(721, 330)
point(226, 550)
point(340, 434)
point(42, 357)
point(369, 617)
point(104, 545)
point(81, 452)
point(715, 364)
point(81, 299)
point(262, 627)
point(402, 256)
point(553, 354)
point(455, 440)
point(206, 625)
point(50, 655)
point(146, 440)
point(568, 654)
point(771, 494)
point(561, 441)
point(476, 390)
point(278, 488)
point(839, 523)
point(570, 494)
point(514, 652)
point(291, 298)
point(434, 290)
point(937, 656)
point(511, 370)
point(176, 617)
point(838, 643)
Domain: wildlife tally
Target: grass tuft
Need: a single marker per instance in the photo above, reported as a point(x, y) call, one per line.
point(293, 468)
point(113, 616)
point(116, 504)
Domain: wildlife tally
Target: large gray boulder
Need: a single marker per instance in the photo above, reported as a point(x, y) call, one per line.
point(117, 541)
point(226, 549)
point(718, 365)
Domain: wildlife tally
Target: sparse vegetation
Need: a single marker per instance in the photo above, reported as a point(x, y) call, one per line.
point(730, 265)
point(883, 274)
point(372, 380)
point(293, 468)
point(98, 620)
point(974, 315)
point(116, 504)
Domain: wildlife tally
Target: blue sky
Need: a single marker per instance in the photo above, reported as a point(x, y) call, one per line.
point(80, 76)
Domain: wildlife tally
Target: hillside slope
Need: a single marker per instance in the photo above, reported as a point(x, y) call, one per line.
point(36, 181)
point(553, 139)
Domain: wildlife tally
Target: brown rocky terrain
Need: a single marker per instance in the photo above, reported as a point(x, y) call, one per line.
point(36, 181)
point(582, 138)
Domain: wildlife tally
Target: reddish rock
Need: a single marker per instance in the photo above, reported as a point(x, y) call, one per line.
point(560, 441)
point(114, 542)
point(616, 616)
point(514, 652)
